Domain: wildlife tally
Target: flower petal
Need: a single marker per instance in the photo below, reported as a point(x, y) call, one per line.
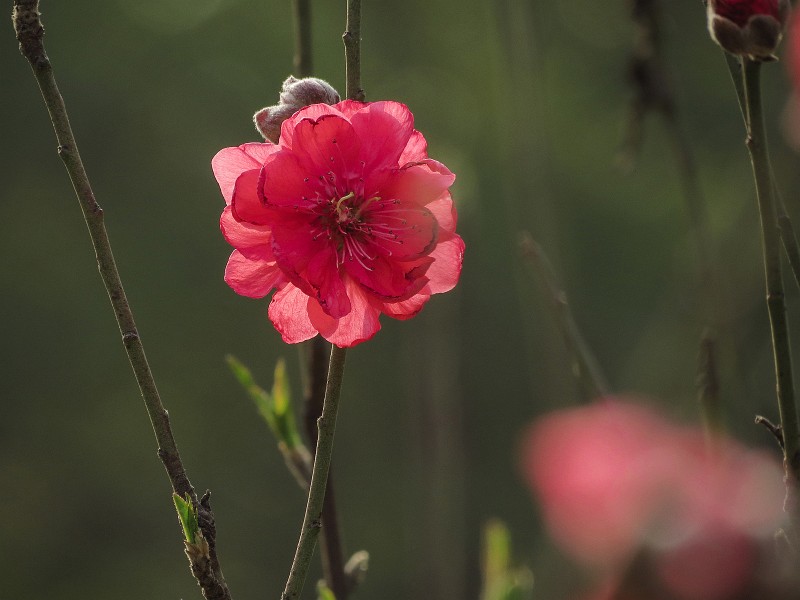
point(312, 112)
point(254, 274)
point(323, 275)
point(229, 163)
point(421, 182)
point(390, 280)
point(246, 204)
point(406, 309)
point(359, 325)
point(288, 312)
point(445, 213)
point(446, 268)
point(287, 184)
point(384, 129)
point(328, 147)
point(416, 149)
point(400, 230)
point(350, 107)
point(240, 234)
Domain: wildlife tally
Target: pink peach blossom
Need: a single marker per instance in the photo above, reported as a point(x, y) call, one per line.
point(617, 481)
point(345, 217)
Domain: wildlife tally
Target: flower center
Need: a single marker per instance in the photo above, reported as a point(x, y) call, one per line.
point(348, 228)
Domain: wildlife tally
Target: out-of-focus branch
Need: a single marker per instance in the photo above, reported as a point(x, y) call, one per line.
point(30, 32)
point(584, 365)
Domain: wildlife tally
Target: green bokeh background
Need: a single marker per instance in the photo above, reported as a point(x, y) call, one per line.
point(526, 102)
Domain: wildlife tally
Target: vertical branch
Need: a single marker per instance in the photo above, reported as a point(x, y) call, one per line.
point(30, 33)
point(319, 478)
point(332, 551)
point(352, 51)
point(759, 156)
point(303, 64)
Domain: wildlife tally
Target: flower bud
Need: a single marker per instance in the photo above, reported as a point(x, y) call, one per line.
point(751, 28)
point(295, 94)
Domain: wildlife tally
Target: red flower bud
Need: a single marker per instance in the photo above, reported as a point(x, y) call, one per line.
point(752, 28)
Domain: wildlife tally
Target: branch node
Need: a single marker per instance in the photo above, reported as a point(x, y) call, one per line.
point(775, 430)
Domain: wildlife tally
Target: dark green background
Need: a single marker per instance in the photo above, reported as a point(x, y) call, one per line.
point(526, 102)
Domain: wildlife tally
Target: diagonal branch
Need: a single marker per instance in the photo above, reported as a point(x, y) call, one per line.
point(30, 32)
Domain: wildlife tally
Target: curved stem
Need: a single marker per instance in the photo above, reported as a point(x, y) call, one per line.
point(770, 236)
point(30, 33)
point(326, 426)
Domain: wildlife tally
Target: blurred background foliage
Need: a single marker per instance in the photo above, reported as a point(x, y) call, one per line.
point(527, 103)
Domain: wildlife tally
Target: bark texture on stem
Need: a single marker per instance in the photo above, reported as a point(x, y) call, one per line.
point(330, 536)
point(771, 245)
point(30, 32)
point(312, 520)
point(352, 51)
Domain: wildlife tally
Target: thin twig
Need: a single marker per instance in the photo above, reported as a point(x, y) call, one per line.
point(584, 365)
point(303, 64)
point(29, 30)
point(330, 538)
point(788, 235)
point(352, 51)
point(319, 478)
point(759, 155)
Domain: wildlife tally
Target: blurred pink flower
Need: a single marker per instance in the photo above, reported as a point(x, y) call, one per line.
point(616, 479)
point(346, 217)
point(793, 50)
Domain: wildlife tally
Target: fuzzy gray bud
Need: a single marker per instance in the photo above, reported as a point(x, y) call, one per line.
point(295, 94)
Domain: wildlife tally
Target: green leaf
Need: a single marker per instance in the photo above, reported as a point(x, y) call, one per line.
point(187, 515)
point(275, 408)
point(324, 592)
point(259, 396)
point(501, 580)
point(282, 407)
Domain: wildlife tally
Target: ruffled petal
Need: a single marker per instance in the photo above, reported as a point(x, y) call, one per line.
point(328, 148)
point(445, 212)
point(229, 163)
point(390, 280)
point(416, 149)
point(295, 242)
point(446, 268)
point(312, 112)
point(254, 274)
point(406, 309)
point(421, 182)
point(350, 107)
point(246, 204)
point(323, 275)
point(287, 184)
point(399, 229)
point(243, 235)
point(384, 129)
point(288, 312)
point(359, 325)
